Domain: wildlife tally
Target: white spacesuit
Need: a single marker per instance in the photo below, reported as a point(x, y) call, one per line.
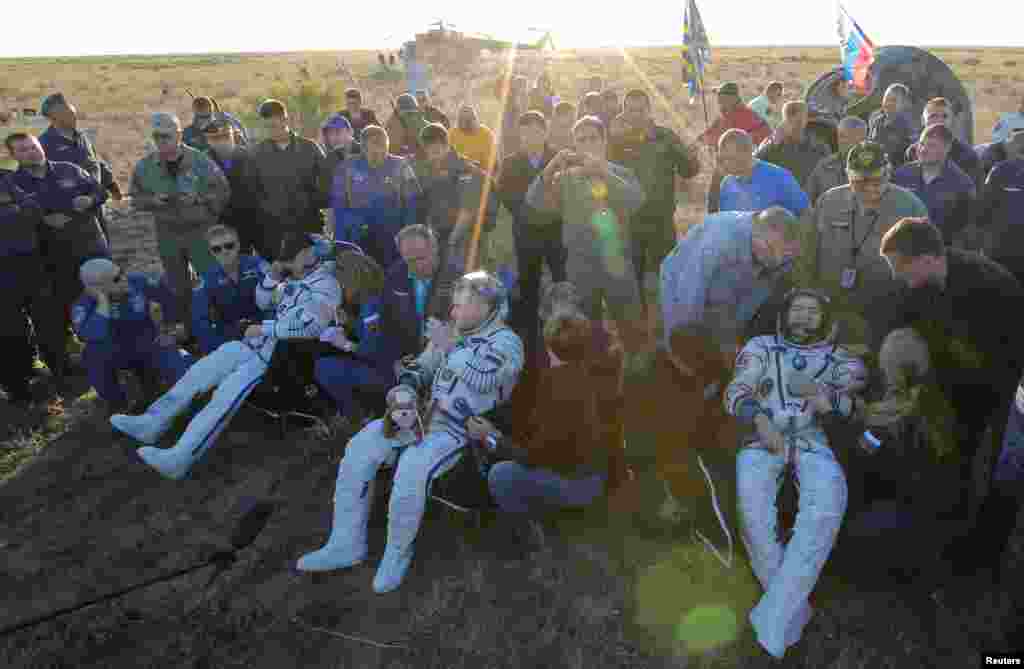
point(782, 384)
point(466, 378)
point(235, 369)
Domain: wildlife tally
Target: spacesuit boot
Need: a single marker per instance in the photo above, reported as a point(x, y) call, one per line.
point(346, 546)
point(393, 568)
point(150, 426)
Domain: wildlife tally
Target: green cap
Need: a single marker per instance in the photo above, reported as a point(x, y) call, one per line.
point(728, 88)
point(867, 159)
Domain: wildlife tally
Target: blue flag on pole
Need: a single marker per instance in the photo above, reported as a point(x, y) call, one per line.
point(696, 50)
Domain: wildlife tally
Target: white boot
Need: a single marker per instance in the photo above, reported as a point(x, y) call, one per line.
point(150, 426)
point(392, 570)
point(346, 546)
point(171, 463)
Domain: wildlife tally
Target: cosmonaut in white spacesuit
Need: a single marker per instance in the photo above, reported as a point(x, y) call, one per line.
point(782, 385)
point(236, 367)
point(465, 375)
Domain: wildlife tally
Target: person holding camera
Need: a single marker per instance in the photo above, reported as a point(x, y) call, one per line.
point(595, 199)
point(224, 302)
point(186, 192)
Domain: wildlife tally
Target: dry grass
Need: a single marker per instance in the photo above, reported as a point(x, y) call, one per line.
point(585, 598)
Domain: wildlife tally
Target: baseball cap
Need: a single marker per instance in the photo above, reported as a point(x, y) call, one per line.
point(219, 126)
point(406, 102)
point(337, 122)
point(867, 160)
point(51, 101)
point(728, 88)
point(272, 107)
point(166, 122)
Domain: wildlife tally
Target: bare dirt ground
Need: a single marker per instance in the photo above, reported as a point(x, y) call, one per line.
point(81, 516)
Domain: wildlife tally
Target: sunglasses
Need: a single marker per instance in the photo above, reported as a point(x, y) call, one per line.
point(216, 249)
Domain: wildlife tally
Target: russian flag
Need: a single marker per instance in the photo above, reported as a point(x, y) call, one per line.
point(856, 51)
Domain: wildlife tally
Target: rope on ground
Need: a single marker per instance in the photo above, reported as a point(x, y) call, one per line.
point(349, 637)
point(721, 521)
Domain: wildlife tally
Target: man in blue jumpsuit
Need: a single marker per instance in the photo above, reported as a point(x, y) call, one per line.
point(64, 143)
point(119, 318)
point(224, 302)
point(363, 363)
point(20, 276)
point(372, 197)
point(71, 200)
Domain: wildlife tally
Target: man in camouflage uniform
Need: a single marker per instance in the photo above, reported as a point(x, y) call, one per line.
point(831, 171)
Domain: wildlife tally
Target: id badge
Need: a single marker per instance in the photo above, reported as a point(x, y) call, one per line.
point(849, 278)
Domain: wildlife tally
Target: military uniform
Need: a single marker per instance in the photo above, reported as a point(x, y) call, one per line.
point(840, 246)
point(655, 156)
point(126, 337)
point(829, 173)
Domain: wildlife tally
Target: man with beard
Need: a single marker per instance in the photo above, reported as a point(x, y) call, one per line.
point(70, 200)
point(830, 172)
point(958, 303)
point(782, 387)
point(472, 139)
point(946, 190)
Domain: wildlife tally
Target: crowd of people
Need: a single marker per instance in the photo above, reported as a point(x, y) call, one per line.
point(832, 307)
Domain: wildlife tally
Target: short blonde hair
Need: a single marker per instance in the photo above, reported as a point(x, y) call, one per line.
point(219, 230)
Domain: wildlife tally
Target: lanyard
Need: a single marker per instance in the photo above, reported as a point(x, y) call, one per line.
point(855, 248)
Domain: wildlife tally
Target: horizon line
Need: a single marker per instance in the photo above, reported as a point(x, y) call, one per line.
point(579, 48)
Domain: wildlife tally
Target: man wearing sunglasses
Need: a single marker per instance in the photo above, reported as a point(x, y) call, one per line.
point(186, 192)
point(120, 317)
point(224, 303)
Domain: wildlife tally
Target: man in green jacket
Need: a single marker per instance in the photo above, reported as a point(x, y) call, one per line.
point(286, 170)
point(656, 155)
point(186, 192)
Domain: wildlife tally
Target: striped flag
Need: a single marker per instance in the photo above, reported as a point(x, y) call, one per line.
point(696, 50)
point(856, 50)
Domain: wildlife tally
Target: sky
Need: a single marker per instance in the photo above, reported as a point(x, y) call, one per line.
point(126, 27)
